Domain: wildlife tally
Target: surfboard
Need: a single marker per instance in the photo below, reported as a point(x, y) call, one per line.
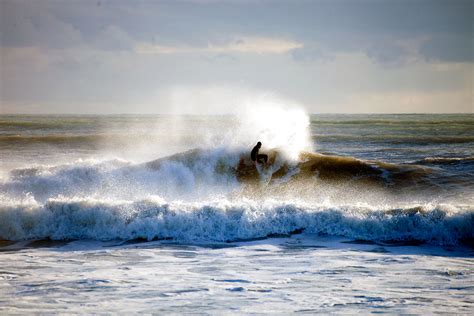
point(265, 173)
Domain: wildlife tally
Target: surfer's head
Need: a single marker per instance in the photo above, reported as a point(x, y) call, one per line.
point(259, 144)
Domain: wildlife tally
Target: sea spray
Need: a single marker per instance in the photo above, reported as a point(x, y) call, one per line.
point(252, 116)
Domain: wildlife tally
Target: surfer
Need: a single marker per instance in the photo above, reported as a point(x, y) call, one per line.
point(256, 157)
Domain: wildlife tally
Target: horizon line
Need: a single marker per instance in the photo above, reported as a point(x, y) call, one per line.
point(233, 114)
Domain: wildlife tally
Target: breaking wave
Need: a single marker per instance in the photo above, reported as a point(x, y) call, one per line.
point(224, 220)
point(218, 195)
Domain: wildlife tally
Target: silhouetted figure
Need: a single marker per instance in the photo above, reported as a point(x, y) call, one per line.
point(256, 157)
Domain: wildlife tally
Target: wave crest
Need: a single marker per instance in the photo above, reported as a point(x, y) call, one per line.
point(203, 195)
point(222, 220)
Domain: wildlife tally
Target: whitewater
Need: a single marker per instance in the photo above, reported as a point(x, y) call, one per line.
point(371, 213)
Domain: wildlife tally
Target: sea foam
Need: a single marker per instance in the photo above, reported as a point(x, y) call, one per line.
point(225, 220)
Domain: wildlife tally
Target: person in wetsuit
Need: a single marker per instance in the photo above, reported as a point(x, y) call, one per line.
point(256, 157)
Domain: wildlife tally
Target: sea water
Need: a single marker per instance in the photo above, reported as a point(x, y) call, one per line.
point(96, 214)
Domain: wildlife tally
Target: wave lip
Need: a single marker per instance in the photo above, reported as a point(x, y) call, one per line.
point(226, 221)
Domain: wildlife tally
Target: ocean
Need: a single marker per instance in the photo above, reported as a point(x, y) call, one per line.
point(167, 214)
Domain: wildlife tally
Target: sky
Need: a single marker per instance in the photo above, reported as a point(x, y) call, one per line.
point(208, 57)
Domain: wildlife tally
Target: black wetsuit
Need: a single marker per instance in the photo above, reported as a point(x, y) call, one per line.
point(256, 157)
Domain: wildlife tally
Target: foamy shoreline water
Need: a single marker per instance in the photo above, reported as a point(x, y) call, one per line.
point(302, 274)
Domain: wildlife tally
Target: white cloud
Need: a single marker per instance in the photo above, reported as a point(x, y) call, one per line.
point(120, 54)
point(114, 38)
point(16, 58)
point(255, 45)
point(33, 24)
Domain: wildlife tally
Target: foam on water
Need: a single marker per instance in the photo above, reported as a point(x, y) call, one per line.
point(195, 198)
point(224, 220)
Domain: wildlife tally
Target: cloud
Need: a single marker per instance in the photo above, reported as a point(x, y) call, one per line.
point(113, 38)
point(16, 58)
point(316, 52)
point(374, 28)
point(32, 24)
point(251, 45)
point(449, 47)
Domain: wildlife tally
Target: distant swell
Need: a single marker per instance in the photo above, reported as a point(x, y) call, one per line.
point(396, 139)
point(154, 218)
point(446, 160)
point(395, 122)
point(67, 139)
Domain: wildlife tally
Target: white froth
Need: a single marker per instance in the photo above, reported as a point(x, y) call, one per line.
point(224, 220)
